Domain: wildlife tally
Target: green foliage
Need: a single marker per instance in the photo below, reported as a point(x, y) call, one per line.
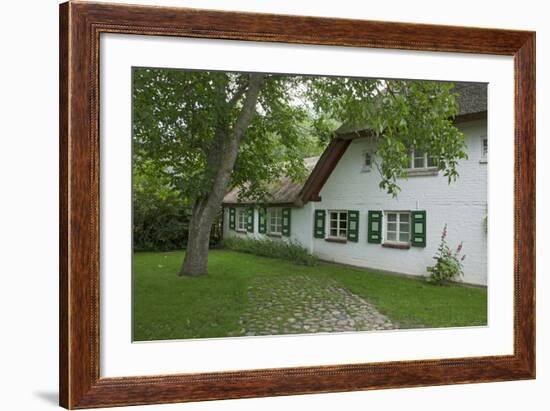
point(401, 115)
point(290, 251)
point(448, 266)
point(160, 214)
point(181, 116)
point(169, 307)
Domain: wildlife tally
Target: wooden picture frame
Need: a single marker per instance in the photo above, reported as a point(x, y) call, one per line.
point(80, 27)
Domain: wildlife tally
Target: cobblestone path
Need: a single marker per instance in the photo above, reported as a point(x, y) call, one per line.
point(307, 304)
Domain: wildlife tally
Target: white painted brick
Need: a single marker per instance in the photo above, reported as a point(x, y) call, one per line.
point(462, 205)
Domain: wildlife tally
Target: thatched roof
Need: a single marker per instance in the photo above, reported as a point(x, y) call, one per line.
point(472, 98)
point(282, 191)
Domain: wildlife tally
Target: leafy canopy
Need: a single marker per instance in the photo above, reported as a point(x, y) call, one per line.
point(179, 115)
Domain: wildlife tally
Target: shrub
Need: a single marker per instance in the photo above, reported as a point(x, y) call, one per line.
point(161, 214)
point(448, 266)
point(291, 251)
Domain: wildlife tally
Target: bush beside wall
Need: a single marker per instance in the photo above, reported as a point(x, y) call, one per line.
point(291, 251)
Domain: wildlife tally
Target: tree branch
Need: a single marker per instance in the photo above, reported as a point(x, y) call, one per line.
point(238, 94)
point(248, 110)
point(227, 154)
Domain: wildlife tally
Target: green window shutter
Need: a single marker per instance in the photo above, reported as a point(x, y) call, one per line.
point(418, 232)
point(374, 227)
point(319, 224)
point(250, 219)
point(232, 218)
point(353, 225)
point(262, 220)
point(286, 222)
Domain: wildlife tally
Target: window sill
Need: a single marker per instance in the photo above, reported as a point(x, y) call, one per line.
point(396, 245)
point(275, 235)
point(336, 240)
point(241, 231)
point(483, 161)
point(417, 172)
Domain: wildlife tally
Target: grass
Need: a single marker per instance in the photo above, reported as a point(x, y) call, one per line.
point(166, 306)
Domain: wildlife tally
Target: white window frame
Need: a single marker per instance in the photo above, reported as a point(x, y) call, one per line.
point(241, 219)
point(339, 230)
point(484, 149)
point(367, 167)
point(425, 165)
point(397, 231)
point(275, 213)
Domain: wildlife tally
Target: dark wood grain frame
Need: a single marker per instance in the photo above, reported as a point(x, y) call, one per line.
point(80, 27)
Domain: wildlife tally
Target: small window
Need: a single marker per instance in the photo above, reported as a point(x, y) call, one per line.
point(275, 222)
point(367, 161)
point(338, 224)
point(398, 227)
point(484, 149)
point(418, 159)
point(421, 159)
point(431, 162)
point(241, 219)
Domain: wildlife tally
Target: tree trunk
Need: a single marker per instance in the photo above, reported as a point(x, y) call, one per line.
point(221, 158)
point(195, 262)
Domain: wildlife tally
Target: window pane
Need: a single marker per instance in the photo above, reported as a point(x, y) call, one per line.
point(343, 216)
point(404, 217)
point(404, 227)
point(343, 224)
point(391, 236)
point(404, 237)
point(333, 224)
point(342, 233)
point(418, 162)
point(431, 162)
point(392, 217)
point(368, 159)
point(333, 232)
point(392, 226)
point(333, 215)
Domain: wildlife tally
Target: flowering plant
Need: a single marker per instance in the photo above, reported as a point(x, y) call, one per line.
point(448, 266)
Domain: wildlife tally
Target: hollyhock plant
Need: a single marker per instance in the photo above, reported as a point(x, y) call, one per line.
point(448, 266)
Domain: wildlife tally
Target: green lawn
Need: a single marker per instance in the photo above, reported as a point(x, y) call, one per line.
point(166, 306)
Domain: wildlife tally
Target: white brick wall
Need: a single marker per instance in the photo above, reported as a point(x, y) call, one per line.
point(462, 205)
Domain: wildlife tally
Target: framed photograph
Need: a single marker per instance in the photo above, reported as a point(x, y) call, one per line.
point(258, 205)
